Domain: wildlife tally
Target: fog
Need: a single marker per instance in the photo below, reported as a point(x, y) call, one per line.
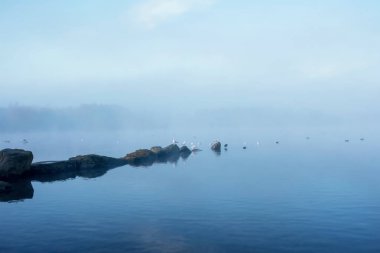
point(173, 63)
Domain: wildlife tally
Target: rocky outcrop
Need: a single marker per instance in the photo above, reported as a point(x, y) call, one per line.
point(172, 149)
point(14, 162)
point(216, 146)
point(86, 162)
point(53, 171)
point(17, 163)
point(158, 150)
point(55, 167)
point(172, 153)
point(140, 157)
point(84, 165)
point(146, 157)
point(17, 171)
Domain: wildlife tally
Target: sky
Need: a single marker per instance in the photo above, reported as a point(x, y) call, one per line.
point(192, 54)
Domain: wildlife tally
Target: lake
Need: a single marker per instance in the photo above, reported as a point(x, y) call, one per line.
point(317, 194)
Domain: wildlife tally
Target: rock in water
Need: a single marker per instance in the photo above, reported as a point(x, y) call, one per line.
point(53, 171)
point(52, 168)
point(166, 154)
point(216, 146)
point(172, 153)
point(14, 162)
point(141, 157)
point(5, 187)
point(184, 152)
point(85, 162)
point(157, 150)
point(171, 150)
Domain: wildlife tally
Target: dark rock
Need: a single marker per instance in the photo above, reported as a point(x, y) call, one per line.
point(172, 149)
point(53, 171)
point(52, 167)
point(184, 149)
point(5, 187)
point(146, 157)
point(172, 153)
point(157, 149)
point(16, 190)
point(86, 162)
point(14, 162)
point(159, 152)
point(184, 152)
point(143, 157)
point(216, 146)
point(89, 166)
point(167, 154)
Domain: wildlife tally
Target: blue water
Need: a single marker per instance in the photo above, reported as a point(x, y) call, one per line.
point(317, 195)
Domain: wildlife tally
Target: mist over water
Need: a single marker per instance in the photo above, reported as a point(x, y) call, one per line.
point(294, 82)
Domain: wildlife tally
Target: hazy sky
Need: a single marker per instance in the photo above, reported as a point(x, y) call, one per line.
point(322, 55)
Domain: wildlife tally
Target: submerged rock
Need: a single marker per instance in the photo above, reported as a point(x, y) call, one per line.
point(216, 146)
point(14, 162)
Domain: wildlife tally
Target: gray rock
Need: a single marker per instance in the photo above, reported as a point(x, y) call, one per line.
point(157, 149)
point(172, 153)
point(216, 146)
point(172, 149)
point(14, 162)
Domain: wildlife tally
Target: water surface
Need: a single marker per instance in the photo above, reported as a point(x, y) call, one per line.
point(316, 195)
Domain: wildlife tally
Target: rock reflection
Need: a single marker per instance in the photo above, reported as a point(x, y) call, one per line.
point(16, 190)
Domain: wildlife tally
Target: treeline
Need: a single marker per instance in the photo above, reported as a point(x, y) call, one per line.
point(84, 117)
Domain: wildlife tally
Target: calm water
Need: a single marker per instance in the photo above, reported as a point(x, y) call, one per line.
point(317, 195)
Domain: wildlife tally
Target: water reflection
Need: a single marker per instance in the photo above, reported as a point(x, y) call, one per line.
point(16, 190)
